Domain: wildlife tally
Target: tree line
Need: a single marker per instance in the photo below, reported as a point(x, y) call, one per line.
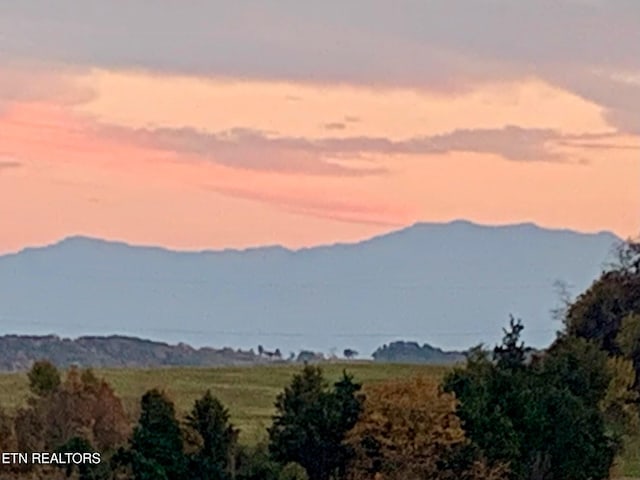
point(507, 413)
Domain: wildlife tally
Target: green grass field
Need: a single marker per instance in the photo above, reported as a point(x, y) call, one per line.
point(248, 392)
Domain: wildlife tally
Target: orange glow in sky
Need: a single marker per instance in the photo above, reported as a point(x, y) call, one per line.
point(195, 159)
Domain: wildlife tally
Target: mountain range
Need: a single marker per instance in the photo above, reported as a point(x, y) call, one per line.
point(452, 285)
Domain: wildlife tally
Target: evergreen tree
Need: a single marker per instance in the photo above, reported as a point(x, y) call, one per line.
point(157, 444)
point(541, 417)
point(311, 423)
point(217, 439)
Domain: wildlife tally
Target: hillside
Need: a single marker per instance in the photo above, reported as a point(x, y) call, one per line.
point(412, 352)
point(451, 285)
point(18, 352)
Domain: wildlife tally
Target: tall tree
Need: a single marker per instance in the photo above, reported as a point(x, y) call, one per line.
point(82, 406)
point(216, 439)
point(311, 423)
point(541, 417)
point(409, 430)
point(81, 411)
point(598, 313)
point(157, 445)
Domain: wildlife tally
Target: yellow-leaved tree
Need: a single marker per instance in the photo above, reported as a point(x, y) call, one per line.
point(409, 430)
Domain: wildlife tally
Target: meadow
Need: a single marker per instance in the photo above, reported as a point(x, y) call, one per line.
point(248, 392)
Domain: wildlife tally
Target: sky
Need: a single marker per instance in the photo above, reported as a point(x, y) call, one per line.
point(215, 124)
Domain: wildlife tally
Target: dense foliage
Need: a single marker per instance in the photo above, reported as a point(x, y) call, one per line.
point(156, 450)
point(43, 377)
point(215, 439)
point(312, 421)
point(608, 312)
point(409, 429)
point(80, 414)
point(541, 415)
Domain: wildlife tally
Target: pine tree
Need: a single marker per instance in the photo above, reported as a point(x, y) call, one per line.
point(157, 444)
point(311, 423)
point(217, 439)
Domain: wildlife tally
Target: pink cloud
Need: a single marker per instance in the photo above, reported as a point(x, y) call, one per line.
point(257, 150)
point(318, 205)
point(40, 133)
point(241, 148)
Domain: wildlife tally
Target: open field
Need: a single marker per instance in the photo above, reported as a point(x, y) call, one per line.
point(248, 392)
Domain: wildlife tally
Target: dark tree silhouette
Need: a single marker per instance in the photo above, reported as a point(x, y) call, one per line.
point(350, 353)
point(542, 417)
point(157, 445)
point(217, 439)
point(311, 423)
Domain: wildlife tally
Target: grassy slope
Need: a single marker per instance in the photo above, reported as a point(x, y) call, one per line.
point(248, 392)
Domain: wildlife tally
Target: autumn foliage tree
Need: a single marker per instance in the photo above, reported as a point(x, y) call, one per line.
point(409, 429)
point(82, 406)
point(62, 415)
point(620, 402)
point(7, 441)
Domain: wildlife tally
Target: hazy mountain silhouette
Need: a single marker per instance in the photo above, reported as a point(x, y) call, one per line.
point(451, 285)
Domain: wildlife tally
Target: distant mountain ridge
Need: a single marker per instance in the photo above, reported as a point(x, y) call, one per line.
point(79, 239)
point(451, 285)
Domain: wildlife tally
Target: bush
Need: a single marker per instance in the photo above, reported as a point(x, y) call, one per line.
point(255, 463)
point(293, 471)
